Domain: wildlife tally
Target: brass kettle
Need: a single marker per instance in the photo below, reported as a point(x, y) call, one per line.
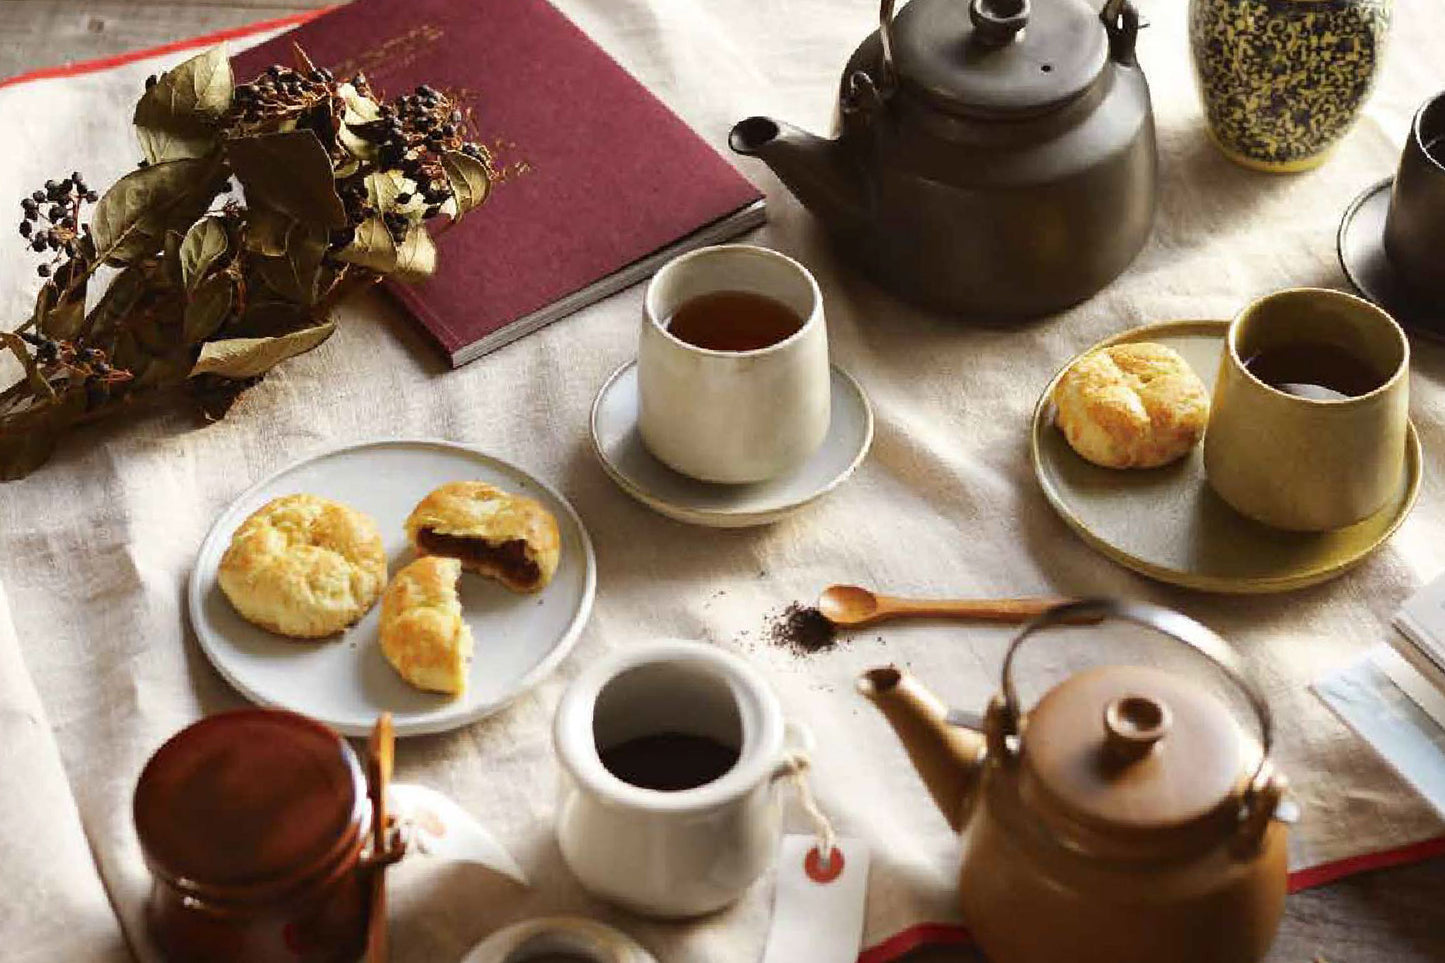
point(1126, 818)
point(992, 158)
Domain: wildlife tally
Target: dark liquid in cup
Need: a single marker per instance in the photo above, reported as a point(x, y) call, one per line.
point(1314, 370)
point(733, 321)
point(669, 761)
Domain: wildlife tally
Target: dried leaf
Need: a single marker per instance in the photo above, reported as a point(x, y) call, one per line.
point(416, 256)
point(166, 371)
point(372, 247)
point(289, 172)
point(267, 318)
point(470, 180)
point(119, 298)
point(248, 357)
point(294, 274)
point(208, 308)
point(171, 258)
point(384, 187)
point(266, 231)
point(206, 241)
point(21, 453)
point(177, 117)
point(132, 218)
point(61, 315)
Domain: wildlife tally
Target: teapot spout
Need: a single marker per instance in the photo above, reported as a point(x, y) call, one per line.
point(947, 757)
point(814, 168)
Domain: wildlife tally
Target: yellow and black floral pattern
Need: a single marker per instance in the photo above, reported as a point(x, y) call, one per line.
point(1283, 80)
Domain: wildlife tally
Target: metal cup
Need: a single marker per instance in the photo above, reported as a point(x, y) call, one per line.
point(1415, 225)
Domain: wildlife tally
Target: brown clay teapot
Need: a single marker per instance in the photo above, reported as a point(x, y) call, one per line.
point(1124, 819)
point(994, 158)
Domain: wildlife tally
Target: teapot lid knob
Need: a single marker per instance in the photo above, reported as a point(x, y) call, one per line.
point(1134, 723)
point(997, 22)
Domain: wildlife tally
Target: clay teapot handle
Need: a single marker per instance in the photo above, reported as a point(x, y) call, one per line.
point(1173, 624)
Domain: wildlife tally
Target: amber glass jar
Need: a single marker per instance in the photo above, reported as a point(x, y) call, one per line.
point(253, 824)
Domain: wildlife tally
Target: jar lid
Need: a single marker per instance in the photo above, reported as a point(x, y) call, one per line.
point(249, 797)
point(1132, 753)
point(999, 58)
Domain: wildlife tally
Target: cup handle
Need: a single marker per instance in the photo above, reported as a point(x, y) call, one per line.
point(798, 745)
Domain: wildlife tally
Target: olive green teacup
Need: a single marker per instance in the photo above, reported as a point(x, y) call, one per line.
point(1308, 424)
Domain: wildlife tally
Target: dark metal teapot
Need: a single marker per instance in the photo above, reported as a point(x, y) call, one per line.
point(994, 158)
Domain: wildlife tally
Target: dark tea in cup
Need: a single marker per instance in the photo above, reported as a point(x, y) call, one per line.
point(669, 761)
point(733, 321)
point(1316, 370)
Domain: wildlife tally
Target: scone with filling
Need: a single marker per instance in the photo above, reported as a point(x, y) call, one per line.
point(423, 635)
point(1132, 406)
point(304, 566)
point(510, 538)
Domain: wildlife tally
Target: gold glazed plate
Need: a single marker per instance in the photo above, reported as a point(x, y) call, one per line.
point(1168, 524)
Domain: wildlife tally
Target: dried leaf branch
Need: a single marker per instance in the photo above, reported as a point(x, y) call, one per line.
point(214, 290)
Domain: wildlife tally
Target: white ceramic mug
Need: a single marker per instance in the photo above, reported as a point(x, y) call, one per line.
point(671, 854)
point(733, 416)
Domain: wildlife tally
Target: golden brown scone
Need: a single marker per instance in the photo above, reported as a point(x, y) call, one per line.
point(1131, 406)
point(304, 566)
point(510, 538)
point(423, 635)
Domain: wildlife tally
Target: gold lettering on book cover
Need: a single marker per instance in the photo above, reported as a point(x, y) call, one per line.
point(505, 163)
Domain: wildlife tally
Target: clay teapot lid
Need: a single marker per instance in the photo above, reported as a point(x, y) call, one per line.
point(997, 58)
point(244, 798)
point(1131, 762)
point(1132, 752)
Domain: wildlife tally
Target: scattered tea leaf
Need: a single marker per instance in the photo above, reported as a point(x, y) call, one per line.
point(470, 180)
point(208, 308)
point(206, 241)
point(248, 357)
point(289, 172)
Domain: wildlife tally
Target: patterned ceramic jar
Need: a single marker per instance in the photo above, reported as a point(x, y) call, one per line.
point(1283, 80)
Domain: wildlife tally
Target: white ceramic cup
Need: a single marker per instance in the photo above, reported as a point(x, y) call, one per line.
point(671, 854)
point(733, 416)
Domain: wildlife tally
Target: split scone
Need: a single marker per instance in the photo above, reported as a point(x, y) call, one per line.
point(1131, 406)
point(304, 566)
point(423, 634)
point(510, 538)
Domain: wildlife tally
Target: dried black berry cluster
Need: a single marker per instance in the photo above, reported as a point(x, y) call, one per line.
point(283, 92)
point(51, 217)
point(77, 364)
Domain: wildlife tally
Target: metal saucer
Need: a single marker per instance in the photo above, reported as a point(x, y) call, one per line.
point(1361, 246)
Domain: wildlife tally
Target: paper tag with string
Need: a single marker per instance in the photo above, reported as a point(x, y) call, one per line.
point(822, 889)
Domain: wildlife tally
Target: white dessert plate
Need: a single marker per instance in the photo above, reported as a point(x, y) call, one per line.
point(345, 681)
point(619, 447)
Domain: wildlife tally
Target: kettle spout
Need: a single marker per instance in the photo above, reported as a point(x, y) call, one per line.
point(947, 757)
point(813, 168)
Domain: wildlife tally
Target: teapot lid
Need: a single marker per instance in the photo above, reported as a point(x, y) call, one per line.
point(1132, 754)
point(997, 58)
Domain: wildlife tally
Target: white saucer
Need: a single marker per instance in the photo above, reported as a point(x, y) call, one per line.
point(558, 938)
point(627, 461)
point(345, 681)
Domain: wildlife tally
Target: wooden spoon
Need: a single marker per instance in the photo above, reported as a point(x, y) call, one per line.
point(380, 758)
point(850, 605)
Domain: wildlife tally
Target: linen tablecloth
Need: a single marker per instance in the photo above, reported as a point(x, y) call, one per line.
point(95, 548)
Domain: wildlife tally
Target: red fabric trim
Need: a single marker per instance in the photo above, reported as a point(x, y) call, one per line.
point(1326, 873)
point(205, 40)
point(915, 937)
point(941, 934)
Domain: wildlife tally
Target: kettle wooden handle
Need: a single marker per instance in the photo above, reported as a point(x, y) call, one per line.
point(1173, 624)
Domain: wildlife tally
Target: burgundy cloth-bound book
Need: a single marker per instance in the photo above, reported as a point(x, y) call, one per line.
point(599, 183)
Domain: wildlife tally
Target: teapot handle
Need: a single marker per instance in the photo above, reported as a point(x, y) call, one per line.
point(1121, 22)
point(1173, 624)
